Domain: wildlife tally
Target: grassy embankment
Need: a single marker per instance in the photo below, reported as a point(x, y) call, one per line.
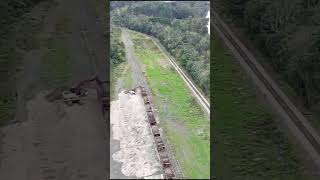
point(183, 121)
point(17, 38)
point(121, 74)
point(121, 79)
point(163, 49)
point(56, 60)
point(247, 142)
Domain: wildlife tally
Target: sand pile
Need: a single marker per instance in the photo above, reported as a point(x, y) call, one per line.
point(130, 127)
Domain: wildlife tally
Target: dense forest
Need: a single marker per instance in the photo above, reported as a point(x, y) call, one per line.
point(288, 33)
point(179, 26)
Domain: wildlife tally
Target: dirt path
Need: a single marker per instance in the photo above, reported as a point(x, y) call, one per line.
point(52, 140)
point(137, 75)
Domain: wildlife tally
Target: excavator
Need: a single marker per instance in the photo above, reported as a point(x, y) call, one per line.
point(78, 91)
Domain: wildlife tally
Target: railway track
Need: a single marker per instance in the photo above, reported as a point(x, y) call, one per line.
point(201, 99)
point(141, 82)
point(307, 136)
point(162, 148)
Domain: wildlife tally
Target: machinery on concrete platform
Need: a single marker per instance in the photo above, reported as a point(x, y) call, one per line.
point(70, 97)
point(77, 92)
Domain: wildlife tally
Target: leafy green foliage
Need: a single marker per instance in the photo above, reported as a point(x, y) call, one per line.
point(281, 29)
point(117, 54)
point(172, 10)
point(120, 69)
point(181, 29)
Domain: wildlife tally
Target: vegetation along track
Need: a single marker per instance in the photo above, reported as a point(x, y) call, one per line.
point(201, 99)
point(301, 127)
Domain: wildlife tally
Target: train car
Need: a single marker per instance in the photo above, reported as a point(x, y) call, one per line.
point(161, 147)
point(148, 106)
point(145, 99)
point(143, 91)
point(164, 158)
point(151, 118)
point(155, 130)
point(163, 154)
point(159, 143)
point(166, 164)
point(158, 140)
point(168, 173)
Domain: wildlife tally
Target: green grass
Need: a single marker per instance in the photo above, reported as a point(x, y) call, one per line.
point(121, 72)
point(57, 61)
point(247, 143)
point(180, 115)
point(127, 77)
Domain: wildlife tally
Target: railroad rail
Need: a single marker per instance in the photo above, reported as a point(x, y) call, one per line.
point(294, 114)
point(201, 99)
point(161, 149)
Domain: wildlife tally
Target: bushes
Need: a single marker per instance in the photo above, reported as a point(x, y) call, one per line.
point(276, 25)
point(117, 47)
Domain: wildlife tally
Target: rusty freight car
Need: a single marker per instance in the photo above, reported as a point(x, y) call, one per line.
point(161, 149)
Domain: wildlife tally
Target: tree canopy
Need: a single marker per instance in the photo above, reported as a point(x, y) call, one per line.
point(287, 32)
point(179, 26)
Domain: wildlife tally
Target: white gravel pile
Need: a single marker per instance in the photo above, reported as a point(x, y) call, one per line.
point(130, 127)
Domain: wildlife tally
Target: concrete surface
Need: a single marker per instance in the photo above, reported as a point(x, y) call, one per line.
point(137, 151)
point(56, 142)
point(52, 140)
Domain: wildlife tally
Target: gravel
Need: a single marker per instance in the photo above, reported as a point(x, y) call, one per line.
point(130, 127)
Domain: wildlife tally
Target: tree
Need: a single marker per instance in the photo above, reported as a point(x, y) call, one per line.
point(181, 31)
